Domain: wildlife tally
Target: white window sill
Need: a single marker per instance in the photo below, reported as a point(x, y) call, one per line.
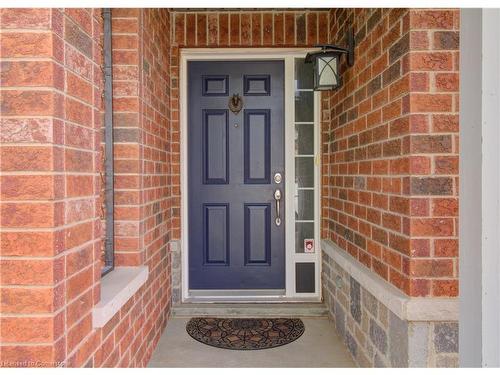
point(117, 288)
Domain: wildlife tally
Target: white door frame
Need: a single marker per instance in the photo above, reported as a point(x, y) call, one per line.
point(287, 55)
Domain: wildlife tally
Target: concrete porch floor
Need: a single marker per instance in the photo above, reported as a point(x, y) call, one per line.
point(319, 346)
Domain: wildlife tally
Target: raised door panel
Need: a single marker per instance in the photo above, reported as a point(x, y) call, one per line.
point(216, 236)
point(258, 234)
point(257, 144)
point(215, 146)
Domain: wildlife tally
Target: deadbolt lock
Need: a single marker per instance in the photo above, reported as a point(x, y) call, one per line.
point(277, 178)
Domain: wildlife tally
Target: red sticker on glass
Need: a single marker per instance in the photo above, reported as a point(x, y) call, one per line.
point(308, 245)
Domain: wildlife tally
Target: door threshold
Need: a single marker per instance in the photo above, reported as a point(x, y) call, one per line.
point(252, 300)
point(261, 309)
point(236, 296)
point(236, 293)
point(250, 297)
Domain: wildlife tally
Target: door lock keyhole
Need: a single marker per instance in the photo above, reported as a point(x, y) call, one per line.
point(277, 178)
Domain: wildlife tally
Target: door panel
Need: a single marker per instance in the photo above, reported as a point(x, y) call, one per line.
point(216, 225)
point(215, 146)
point(234, 242)
point(257, 146)
point(257, 234)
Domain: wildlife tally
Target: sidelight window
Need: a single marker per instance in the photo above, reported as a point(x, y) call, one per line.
point(305, 185)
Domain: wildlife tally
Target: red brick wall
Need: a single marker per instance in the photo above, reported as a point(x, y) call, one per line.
point(51, 184)
point(141, 106)
point(434, 105)
point(128, 134)
point(250, 28)
point(142, 229)
point(51, 113)
point(390, 148)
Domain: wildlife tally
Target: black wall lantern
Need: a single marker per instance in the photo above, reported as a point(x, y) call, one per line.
point(326, 63)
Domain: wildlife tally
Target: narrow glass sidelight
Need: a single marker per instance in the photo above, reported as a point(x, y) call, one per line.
point(305, 166)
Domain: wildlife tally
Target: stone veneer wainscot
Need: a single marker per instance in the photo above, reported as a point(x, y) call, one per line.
point(381, 326)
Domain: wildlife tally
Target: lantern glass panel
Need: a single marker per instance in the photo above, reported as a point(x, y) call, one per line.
point(327, 70)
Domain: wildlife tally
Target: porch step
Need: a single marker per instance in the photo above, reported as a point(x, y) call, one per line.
point(249, 310)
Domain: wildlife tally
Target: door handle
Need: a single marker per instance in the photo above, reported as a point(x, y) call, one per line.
point(277, 198)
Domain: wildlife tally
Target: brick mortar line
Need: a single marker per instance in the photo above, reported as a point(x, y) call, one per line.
point(22, 315)
point(30, 31)
point(391, 212)
point(53, 90)
point(391, 158)
point(230, 11)
point(30, 230)
point(126, 65)
point(403, 217)
point(25, 144)
point(124, 50)
point(399, 234)
point(389, 230)
point(59, 64)
point(133, 18)
point(402, 138)
point(52, 258)
point(128, 127)
point(388, 122)
point(389, 266)
point(31, 344)
point(55, 200)
point(127, 174)
point(389, 175)
point(125, 96)
point(33, 88)
point(32, 286)
point(408, 237)
point(54, 227)
point(125, 81)
point(28, 58)
point(432, 30)
point(49, 173)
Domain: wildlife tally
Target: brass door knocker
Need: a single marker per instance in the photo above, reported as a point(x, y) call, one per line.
point(235, 103)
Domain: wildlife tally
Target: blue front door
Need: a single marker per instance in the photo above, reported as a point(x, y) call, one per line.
point(236, 239)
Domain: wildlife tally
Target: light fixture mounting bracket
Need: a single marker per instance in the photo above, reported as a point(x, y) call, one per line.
point(328, 48)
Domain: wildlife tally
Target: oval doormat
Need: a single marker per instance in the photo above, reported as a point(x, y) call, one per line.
point(245, 334)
